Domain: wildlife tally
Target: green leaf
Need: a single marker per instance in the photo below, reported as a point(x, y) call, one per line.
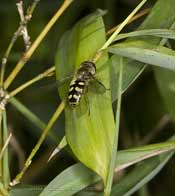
point(77, 177)
point(107, 189)
point(163, 33)
point(139, 176)
point(131, 72)
point(26, 191)
point(146, 53)
point(132, 69)
point(166, 83)
point(70, 181)
point(136, 178)
point(135, 155)
point(90, 136)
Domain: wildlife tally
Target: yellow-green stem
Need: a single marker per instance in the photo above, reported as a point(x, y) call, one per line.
point(117, 31)
point(6, 175)
point(47, 73)
point(137, 16)
point(35, 44)
point(40, 141)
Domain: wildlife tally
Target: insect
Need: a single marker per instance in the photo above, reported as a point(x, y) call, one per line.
point(80, 82)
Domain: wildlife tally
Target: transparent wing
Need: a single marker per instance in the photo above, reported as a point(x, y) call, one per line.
point(50, 85)
point(97, 87)
point(63, 81)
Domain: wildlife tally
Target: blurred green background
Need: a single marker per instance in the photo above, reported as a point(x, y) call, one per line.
point(142, 109)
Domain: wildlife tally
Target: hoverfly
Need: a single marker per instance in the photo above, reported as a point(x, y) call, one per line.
point(80, 82)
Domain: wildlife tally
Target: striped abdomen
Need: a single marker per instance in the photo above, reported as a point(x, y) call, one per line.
point(76, 90)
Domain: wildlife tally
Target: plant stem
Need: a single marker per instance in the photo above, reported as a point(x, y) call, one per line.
point(137, 16)
point(40, 141)
point(32, 117)
point(31, 9)
point(117, 31)
point(14, 38)
point(35, 44)
point(5, 145)
point(3, 190)
point(107, 189)
point(6, 176)
point(45, 74)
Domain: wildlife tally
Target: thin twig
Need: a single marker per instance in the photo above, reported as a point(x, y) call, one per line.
point(117, 31)
point(24, 31)
point(36, 43)
point(137, 16)
point(5, 145)
point(39, 77)
point(49, 72)
point(40, 141)
point(27, 18)
point(43, 75)
point(18, 150)
point(31, 9)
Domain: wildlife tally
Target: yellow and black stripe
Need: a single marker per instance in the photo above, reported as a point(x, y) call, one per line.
point(76, 90)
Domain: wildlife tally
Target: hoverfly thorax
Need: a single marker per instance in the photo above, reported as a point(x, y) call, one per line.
point(86, 71)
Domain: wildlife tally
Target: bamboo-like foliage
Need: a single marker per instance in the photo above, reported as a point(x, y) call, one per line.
point(92, 128)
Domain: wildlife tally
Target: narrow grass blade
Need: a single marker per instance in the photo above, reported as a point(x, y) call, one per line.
point(132, 68)
point(141, 175)
point(31, 117)
point(70, 181)
point(163, 33)
point(60, 146)
point(137, 178)
point(108, 186)
point(77, 177)
point(146, 53)
point(90, 136)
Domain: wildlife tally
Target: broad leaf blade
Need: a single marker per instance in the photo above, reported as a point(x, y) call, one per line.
point(90, 136)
